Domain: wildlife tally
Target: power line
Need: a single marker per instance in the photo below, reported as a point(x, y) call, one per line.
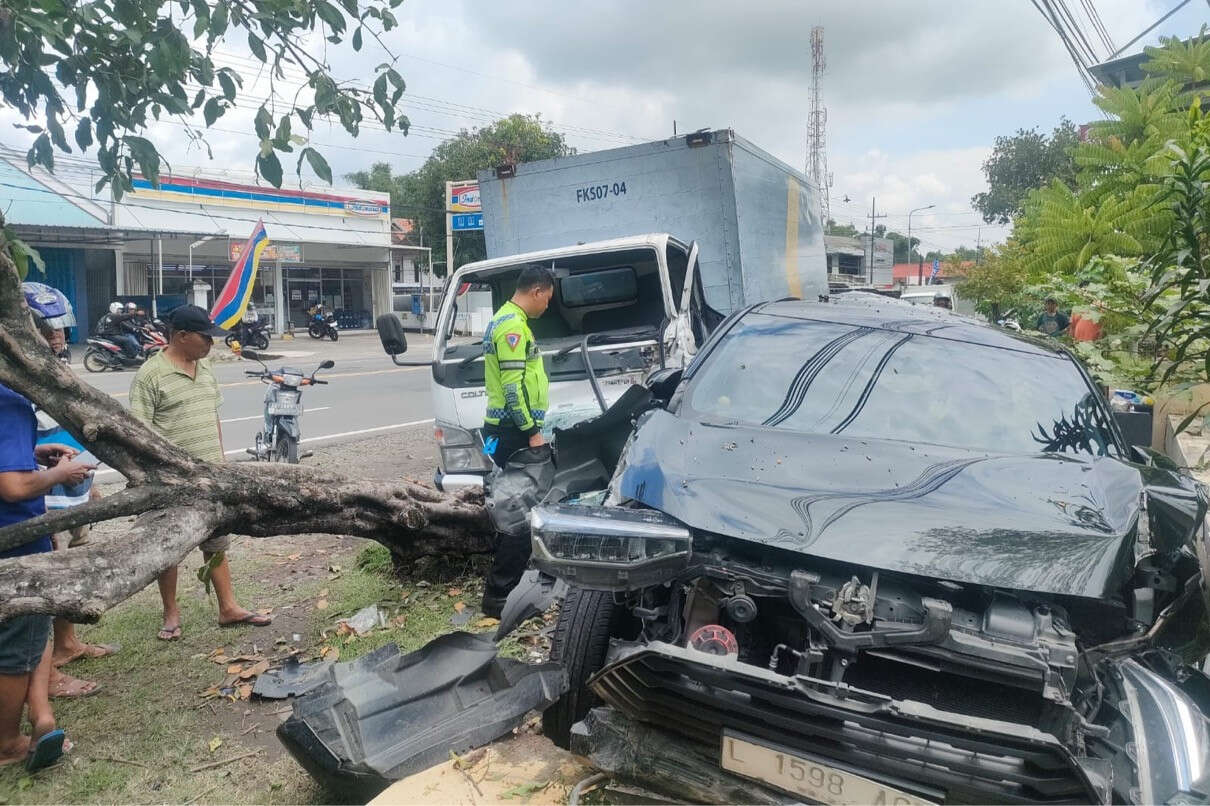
point(1090, 9)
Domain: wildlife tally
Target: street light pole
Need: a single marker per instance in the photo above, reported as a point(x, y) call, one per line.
point(909, 235)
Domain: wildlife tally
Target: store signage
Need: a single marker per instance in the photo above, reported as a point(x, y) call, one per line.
point(461, 222)
point(463, 197)
point(284, 252)
point(363, 208)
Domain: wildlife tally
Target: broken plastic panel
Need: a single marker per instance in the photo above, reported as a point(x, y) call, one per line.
point(387, 715)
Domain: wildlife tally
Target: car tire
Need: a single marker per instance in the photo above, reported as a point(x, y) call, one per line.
point(586, 622)
point(94, 362)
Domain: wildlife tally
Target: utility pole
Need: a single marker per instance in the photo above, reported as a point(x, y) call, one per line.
point(817, 123)
point(979, 247)
point(873, 218)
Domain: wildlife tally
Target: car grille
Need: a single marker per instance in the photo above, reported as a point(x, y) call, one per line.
point(948, 763)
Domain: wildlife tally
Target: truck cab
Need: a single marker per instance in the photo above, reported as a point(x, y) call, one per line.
point(621, 309)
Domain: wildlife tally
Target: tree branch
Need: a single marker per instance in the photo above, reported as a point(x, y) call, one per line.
point(133, 501)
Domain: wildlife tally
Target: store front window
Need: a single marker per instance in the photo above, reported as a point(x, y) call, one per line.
point(345, 292)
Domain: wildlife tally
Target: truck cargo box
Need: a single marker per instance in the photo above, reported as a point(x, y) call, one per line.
point(756, 219)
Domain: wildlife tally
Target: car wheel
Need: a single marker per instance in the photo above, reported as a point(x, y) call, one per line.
point(586, 622)
point(93, 362)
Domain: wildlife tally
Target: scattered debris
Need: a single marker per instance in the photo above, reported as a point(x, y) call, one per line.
point(363, 621)
point(121, 761)
point(454, 693)
point(214, 764)
point(292, 678)
point(322, 604)
point(215, 744)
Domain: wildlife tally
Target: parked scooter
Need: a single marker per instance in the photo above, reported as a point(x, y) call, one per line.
point(249, 334)
point(104, 353)
point(278, 442)
point(323, 324)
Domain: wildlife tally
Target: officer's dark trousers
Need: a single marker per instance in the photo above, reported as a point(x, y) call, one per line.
point(510, 554)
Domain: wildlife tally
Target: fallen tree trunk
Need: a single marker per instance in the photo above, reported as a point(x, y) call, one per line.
point(181, 501)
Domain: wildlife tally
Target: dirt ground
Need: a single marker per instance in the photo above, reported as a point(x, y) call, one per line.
point(157, 732)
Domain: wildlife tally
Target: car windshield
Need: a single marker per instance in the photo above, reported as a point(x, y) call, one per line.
point(827, 378)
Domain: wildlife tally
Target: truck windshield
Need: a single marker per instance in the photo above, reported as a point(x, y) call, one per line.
point(829, 378)
point(598, 293)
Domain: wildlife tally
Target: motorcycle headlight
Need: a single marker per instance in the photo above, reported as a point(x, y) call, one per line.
point(608, 548)
point(461, 450)
point(291, 380)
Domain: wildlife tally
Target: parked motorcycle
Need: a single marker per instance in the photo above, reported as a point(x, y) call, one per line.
point(249, 334)
point(324, 324)
point(104, 353)
point(278, 442)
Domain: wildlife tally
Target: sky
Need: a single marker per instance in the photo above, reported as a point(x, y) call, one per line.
point(916, 90)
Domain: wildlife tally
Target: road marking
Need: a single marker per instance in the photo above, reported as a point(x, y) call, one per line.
point(338, 375)
point(261, 416)
point(368, 430)
point(234, 451)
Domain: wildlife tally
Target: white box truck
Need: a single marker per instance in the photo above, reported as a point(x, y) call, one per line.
point(651, 245)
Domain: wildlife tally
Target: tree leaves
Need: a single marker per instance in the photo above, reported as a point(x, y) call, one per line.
point(269, 167)
point(318, 164)
point(128, 63)
point(147, 157)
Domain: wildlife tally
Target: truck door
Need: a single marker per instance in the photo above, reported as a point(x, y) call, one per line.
point(695, 319)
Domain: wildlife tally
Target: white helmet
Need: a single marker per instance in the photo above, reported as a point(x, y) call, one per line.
point(115, 307)
point(130, 306)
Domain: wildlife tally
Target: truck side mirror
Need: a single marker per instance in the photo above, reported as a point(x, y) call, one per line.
point(391, 334)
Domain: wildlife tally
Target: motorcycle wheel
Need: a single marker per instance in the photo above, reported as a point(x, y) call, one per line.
point(314, 331)
point(230, 340)
point(287, 449)
point(261, 341)
point(333, 334)
point(95, 362)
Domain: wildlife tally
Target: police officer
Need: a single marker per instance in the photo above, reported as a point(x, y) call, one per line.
point(516, 406)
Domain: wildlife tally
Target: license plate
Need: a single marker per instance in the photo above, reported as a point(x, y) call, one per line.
point(810, 779)
point(285, 408)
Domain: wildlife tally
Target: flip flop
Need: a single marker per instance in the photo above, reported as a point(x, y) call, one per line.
point(253, 619)
point(60, 690)
point(169, 633)
point(47, 750)
point(90, 651)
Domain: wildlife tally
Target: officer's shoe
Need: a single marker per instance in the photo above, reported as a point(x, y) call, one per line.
point(492, 606)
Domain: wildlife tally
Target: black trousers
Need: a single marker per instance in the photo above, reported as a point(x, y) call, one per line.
point(510, 554)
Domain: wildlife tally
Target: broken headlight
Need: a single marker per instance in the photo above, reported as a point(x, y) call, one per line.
point(607, 548)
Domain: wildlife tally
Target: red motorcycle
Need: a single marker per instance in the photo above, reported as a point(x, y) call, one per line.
point(104, 353)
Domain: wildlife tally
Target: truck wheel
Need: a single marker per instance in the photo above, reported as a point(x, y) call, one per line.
point(287, 449)
point(93, 362)
point(586, 621)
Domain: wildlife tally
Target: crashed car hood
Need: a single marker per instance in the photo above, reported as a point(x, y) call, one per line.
point(1049, 523)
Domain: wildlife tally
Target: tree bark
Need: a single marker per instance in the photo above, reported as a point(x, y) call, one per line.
point(254, 499)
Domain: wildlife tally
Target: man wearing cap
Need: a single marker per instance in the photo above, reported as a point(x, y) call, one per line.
point(175, 393)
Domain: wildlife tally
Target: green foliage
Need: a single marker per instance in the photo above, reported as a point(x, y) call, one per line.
point(1180, 269)
point(115, 68)
point(421, 194)
point(1018, 164)
point(844, 230)
point(1064, 232)
point(1186, 63)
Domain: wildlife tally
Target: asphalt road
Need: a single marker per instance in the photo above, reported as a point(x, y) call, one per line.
point(366, 393)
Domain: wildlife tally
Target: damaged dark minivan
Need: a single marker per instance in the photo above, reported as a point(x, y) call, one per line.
point(859, 551)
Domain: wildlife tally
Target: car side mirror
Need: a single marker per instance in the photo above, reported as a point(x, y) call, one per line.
point(391, 334)
point(327, 364)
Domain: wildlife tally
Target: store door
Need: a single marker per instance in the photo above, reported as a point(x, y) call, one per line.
point(301, 295)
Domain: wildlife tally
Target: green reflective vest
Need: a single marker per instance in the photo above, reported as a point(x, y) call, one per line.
point(517, 389)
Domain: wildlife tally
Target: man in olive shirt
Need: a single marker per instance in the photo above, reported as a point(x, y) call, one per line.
point(176, 394)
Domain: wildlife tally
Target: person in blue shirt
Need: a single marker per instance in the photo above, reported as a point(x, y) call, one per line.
point(25, 654)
